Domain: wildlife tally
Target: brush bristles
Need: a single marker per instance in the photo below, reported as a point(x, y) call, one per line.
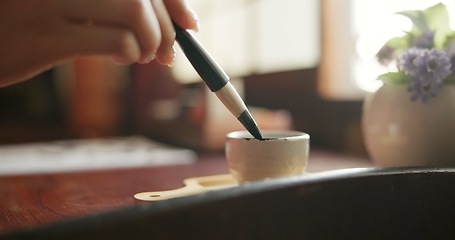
point(248, 122)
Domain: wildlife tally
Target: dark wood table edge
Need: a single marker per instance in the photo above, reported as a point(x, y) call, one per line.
point(110, 223)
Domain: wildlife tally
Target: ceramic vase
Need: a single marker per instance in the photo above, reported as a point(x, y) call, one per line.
point(401, 132)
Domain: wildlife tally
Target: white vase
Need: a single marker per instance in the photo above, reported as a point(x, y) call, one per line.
point(401, 132)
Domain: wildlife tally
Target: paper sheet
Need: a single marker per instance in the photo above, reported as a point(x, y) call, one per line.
point(89, 154)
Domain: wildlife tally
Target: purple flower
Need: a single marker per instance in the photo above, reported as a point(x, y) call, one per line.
point(425, 40)
point(433, 66)
point(385, 55)
point(451, 54)
point(423, 91)
point(428, 69)
point(406, 62)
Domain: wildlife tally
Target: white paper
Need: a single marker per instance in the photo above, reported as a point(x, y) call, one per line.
point(89, 154)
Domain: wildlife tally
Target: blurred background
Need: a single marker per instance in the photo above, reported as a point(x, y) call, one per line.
point(303, 65)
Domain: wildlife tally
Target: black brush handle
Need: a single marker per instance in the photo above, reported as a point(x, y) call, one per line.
point(210, 72)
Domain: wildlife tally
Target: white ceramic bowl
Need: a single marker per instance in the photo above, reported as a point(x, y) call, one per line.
point(279, 154)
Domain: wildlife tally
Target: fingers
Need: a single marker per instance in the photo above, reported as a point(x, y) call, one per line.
point(185, 16)
point(142, 25)
point(166, 53)
point(181, 13)
point(94, 40)
point(135, 15)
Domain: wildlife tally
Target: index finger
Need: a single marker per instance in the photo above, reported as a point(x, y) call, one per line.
point(136, 15)
point(181, 12)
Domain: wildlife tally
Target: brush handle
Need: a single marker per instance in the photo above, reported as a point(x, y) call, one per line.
point(215, 78)
point(210, 72)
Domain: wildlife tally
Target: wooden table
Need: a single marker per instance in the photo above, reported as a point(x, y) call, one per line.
point(30, 201)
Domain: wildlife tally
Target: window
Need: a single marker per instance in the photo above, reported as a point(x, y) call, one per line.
point(354, 31)
point(256, 36)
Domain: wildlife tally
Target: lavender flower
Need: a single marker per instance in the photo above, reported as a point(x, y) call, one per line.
point(385, 55)
point(425, 56)
point(423, 91)
point(406, 62)
point(428, 69)
point(425, 40)
point(451, 54)
point(433, 66)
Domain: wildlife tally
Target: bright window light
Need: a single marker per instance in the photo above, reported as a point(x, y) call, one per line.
point(255, 36)
point(353, 32)
point(375, 22)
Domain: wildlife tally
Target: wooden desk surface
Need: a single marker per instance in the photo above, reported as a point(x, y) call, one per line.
point(33, 200)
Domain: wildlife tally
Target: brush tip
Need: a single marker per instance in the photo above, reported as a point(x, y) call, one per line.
point(248, 122)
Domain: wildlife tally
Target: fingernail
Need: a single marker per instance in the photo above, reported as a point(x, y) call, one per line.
point(195, 20)
point(118, 60)
point(148, 59)
point(172, 56)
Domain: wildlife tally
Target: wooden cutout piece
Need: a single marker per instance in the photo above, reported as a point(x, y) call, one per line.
point(192, 186)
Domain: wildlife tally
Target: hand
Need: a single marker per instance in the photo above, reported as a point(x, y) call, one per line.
point(38, 34)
